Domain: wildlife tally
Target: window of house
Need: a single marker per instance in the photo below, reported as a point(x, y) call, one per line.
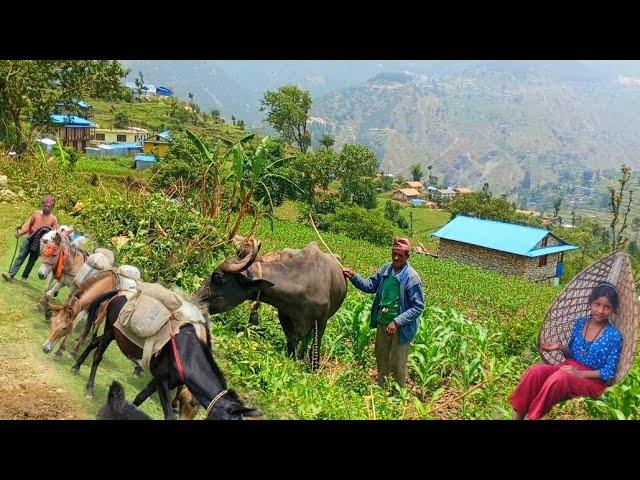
point(122, 138)
point(100, 136)
point(543, 261)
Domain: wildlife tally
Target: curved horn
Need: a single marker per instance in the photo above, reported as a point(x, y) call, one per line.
point(233, 265)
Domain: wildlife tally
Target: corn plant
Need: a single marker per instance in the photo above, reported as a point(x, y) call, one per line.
point(621, 402)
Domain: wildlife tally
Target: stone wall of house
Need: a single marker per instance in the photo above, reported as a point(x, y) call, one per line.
point(502, 262)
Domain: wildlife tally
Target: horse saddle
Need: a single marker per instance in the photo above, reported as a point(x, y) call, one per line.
point(144, 315)
point(145, 321)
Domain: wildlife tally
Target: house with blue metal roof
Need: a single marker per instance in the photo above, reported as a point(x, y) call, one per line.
point(533, 253)
point(73, 131)
point(164, 91)
point(144, 161)
point(158, 143)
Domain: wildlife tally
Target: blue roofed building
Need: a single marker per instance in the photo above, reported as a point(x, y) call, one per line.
point(113, 150)
point(158, 144)
point(533, 253)
point(144, 161)
point(73, 131)
point(164, 91)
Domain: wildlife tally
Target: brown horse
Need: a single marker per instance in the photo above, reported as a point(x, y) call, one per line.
point(66, 316)
point(63, 323)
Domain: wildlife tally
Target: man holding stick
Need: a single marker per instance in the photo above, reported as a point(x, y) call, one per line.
point(396, 310)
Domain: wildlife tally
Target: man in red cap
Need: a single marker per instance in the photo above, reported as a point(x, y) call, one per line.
point(396, 310)
point(38, 220)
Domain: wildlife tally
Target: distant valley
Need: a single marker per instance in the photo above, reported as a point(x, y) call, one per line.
point(474, 121)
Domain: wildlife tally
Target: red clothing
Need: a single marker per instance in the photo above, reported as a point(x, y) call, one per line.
point(37, 220)
point(542, 386)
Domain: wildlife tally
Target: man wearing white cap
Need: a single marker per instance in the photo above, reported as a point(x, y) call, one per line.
point(396, 310)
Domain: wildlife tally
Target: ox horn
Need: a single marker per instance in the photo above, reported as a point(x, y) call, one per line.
point(233, 265)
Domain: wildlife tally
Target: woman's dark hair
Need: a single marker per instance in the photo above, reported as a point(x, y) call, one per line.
point(605, 289)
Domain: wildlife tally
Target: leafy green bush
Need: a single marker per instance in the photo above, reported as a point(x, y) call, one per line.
point(166, 241)
point(357, 222)
point(392, 213)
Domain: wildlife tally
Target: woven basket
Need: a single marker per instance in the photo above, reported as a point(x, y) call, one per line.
point(573, 303)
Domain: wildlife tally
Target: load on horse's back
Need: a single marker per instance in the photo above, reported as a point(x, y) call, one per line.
point(176, 347)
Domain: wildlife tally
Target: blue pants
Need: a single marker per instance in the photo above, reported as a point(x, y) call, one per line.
point(25, 251)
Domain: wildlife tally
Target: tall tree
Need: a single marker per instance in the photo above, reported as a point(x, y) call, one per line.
point(327, 141)
point(356, 171)
point(215, 114)
point(416, 172)
point(615, 201)
point(29, 89)
point(288, 112)
point(556, 206)
point(139, 81)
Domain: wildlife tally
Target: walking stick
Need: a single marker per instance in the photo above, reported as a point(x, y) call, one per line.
point(15, 250)
point(326, 246)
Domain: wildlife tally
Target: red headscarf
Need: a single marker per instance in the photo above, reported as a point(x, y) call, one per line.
point(400, 243)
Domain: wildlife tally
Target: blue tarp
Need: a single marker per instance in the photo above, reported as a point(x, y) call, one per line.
point(121, 146)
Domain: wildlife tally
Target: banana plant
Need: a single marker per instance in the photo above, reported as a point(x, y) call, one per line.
point(62, 157)
point(209, 169)
point(248, 171)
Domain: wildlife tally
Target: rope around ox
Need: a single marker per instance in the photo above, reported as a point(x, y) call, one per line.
point(213, 402)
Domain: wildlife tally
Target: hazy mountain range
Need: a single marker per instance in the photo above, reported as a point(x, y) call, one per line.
point(474, 121)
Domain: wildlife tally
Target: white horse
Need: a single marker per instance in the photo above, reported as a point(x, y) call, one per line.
point(79, 242)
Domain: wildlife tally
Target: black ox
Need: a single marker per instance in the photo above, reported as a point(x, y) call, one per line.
point(306, 286)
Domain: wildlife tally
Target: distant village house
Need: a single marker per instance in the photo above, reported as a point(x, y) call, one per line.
point(157, 144)
point(149, 90)
point(406, 194)
point(144, 161)
point(415, 185)
point(73, 131)
point(533, 253)
point(124, 135)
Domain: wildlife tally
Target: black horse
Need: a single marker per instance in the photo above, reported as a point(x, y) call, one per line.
point(118, 408)
point(202, 375)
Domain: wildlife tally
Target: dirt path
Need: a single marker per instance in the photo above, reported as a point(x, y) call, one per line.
point(35, 385)
point(28, 386)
